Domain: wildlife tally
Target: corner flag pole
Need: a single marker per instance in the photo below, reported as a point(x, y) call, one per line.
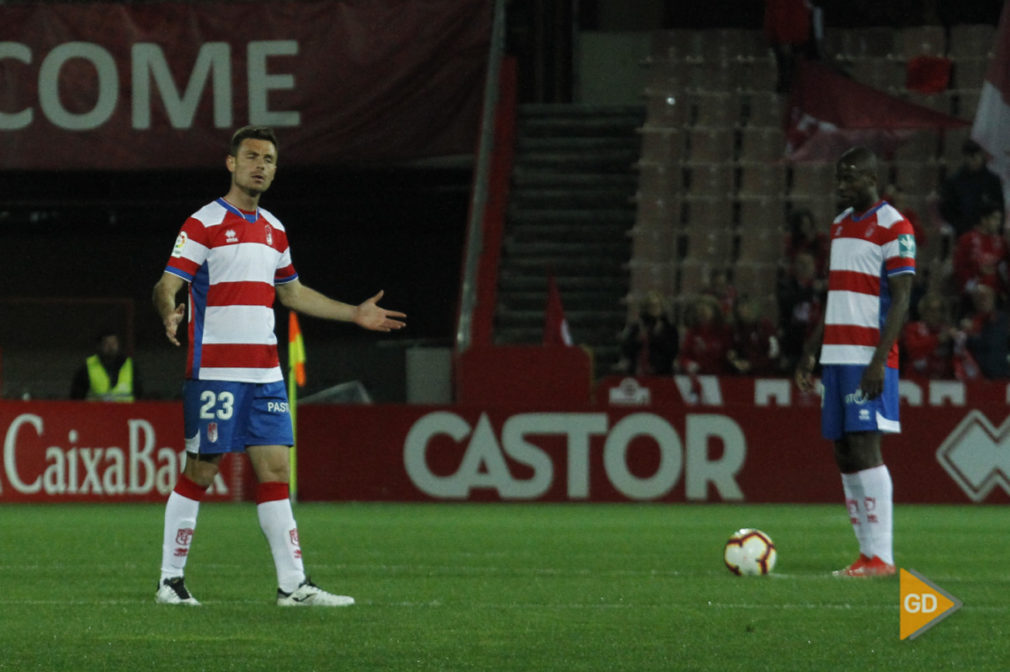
point(296, 379)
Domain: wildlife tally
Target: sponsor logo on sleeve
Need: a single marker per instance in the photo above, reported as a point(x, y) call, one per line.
point(906, 246)
point(180, 244)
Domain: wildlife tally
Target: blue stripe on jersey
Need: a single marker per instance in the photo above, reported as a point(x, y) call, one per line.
point(182, 274)
point(250, 217)
point(198, 304)
point(885, 298)
point(869, 213)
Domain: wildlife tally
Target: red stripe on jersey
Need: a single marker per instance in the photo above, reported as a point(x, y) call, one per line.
point(183, 265)
point(896, 263)
point(242, 356)
point(847, 334)
point(284, 273)
point(241, 294)
point(196, 231)
point(851, 281)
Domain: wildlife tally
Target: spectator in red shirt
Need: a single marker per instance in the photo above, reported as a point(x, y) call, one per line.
point(721, 289)
point(980, 253)
point(755, 343)
point(706, 341)
point(928, 344)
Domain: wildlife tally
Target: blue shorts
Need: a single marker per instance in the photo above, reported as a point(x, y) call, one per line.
point(225, 417)
point(844, 409)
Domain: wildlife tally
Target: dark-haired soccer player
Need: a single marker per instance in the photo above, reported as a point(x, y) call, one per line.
point(871, 266)
point(234, 257)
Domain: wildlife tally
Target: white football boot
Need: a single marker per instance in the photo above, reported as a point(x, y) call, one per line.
point(309, 594)
point(173, 591)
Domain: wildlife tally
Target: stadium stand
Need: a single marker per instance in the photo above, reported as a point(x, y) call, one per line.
point(714, 119)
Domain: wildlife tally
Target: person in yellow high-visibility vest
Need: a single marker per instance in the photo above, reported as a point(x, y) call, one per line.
point(107, 375)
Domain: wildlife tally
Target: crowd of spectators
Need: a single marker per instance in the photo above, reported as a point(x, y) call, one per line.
point(958, 326)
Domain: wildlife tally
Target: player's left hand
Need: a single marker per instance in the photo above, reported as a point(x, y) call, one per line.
point(872, 383)
point(369, 315)
point(804, 374)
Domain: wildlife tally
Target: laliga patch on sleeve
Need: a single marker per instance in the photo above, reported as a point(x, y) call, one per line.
point(180, 244)
point(906, 246)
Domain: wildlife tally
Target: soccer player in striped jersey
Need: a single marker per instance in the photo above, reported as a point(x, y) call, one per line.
point(234, 258)
point(871, 266)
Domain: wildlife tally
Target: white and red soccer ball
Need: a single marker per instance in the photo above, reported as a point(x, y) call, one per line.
point(750, 552)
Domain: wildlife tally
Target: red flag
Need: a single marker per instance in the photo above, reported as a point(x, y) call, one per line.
point(555, 325)
point(992, 117)
point(829, 113)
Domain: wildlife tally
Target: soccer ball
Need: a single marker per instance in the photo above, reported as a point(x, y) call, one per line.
point(750, 552)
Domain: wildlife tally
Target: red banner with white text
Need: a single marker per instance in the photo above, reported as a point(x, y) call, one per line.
point(162, 85)
point(665, 440)
point(668, 440)
point(69, 451)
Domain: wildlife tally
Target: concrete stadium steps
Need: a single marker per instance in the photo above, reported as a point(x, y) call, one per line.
point(569, 211)
point(606, 195)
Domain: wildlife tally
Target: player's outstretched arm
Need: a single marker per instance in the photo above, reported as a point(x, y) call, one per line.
point(367, 315)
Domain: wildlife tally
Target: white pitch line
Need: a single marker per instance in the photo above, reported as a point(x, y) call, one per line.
point(576, 606)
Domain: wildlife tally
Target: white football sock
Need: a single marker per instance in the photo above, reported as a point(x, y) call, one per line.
point(878, 499)
point(180, 522)
point(278, 524)
point(852, 485)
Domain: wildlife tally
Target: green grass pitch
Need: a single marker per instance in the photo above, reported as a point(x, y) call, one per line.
point(497, 587)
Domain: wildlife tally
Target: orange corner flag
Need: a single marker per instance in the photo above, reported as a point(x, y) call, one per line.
point(296, 350)
point(923, 604)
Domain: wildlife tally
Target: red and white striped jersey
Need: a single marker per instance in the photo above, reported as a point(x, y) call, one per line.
point(232, 260)
point(866, 250)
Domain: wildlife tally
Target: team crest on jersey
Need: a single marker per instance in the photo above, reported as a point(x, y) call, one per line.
point(269, 234)
point(906, 246)
point(230, 236)
point(180, 244)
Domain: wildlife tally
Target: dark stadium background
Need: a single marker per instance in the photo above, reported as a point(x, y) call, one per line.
point(354, 229)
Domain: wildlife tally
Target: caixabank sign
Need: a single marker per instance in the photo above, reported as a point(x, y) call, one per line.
point(83, 451)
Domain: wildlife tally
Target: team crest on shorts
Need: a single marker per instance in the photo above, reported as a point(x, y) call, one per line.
point(212, 432)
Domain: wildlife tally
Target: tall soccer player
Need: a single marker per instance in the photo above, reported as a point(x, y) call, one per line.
point(234, 257)
point(871, 266)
